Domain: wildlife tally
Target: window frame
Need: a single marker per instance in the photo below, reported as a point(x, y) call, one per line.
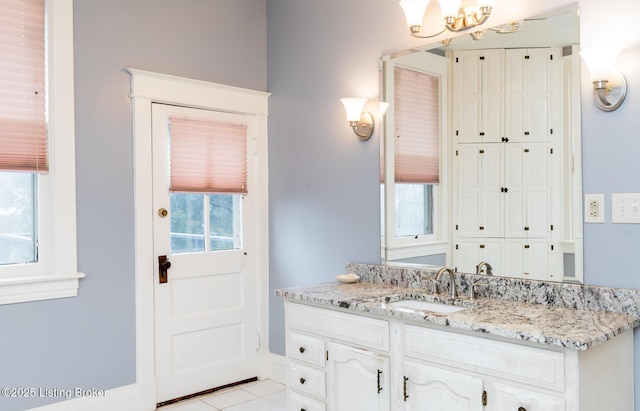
point(55, 275)
point(395, 248)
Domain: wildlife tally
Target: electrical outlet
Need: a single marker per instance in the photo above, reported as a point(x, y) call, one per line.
point(594, 208)
point(625, 208)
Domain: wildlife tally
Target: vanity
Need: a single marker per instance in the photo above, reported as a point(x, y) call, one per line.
point(387, 343)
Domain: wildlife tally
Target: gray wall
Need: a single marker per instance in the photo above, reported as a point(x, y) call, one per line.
point(323, 182)
point(89, 341)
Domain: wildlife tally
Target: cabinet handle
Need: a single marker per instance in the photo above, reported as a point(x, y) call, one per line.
point(302, 350)
point(302, 380)
point(522, 409)
point(302, 409)
point(379, 387)
point(404, 389)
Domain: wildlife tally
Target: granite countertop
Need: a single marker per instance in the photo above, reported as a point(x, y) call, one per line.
point(577, 329)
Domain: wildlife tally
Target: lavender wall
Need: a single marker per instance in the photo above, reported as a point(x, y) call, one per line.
point(323, 182)
point(89, 341)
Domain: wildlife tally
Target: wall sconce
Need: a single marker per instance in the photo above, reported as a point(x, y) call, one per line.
point(609, 85)
point(455, 17)
point(360, 121)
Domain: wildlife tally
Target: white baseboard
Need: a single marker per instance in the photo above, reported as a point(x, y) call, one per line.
point(135, 397)
point(276, 369)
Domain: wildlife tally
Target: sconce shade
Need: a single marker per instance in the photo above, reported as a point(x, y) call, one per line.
point(414, 11)
point(353, 107)
point(609, 85)
point(600, 61)
point(382, 107)
point(450, 8)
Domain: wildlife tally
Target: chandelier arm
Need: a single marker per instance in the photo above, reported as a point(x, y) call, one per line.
point(416, 35)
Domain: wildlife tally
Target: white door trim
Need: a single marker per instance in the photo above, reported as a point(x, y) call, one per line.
point(148, 88)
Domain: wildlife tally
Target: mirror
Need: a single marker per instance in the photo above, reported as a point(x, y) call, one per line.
point(507, 113)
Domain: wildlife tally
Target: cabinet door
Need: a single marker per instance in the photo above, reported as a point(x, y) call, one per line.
point(527, 201)
point(357, 379)
point(527, 258)
point(479, 198)
point(431, 388)
point(506, 398)
point(467, 96)
point(470, 251)
point(478, 95)
point(527, 95)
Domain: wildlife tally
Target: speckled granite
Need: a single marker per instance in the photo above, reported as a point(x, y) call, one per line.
point(553, 314)
point(617, 300)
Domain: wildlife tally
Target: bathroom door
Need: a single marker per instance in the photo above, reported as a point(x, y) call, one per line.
point(206, 331)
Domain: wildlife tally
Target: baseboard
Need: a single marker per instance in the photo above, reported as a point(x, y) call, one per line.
point(135, 397)
point(276, 369)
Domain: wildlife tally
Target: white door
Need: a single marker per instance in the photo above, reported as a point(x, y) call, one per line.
point(357, 379)
point(206, 331)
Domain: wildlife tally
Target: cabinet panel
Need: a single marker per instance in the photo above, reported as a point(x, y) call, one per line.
point(470, 251)
point(357, 379)
point(527, 258)
point(432, 388)
point(478, 95)
point(306, 380)
point(537, 367)
point(305, 348)
point(352, 328)
point(507, 398)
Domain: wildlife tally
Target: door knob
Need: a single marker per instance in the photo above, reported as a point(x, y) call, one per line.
point(163, 267)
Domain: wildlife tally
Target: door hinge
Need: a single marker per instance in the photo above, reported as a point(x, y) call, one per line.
point(457, 247)
point(456, 226)
point(551, 151)
point(457, 60)
point(327, 353)
point(457, 154)
point(551, 247)
point(551, 227)
point(484, 398)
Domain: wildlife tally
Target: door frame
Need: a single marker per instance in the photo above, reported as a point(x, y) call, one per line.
point(147, 88)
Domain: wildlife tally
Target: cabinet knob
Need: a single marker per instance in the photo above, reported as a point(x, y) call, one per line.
point(302, 380)
point(302, 409)
point(522, 409)
point(302, 350)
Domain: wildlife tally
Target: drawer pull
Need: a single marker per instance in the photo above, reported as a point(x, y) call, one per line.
point(302, 380)
point(302, 350)
point(404, 389)
point(379, 386)
point(522, 409)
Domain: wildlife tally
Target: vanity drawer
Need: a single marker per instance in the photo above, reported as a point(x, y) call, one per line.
point(305, 348)
point(307, 380)
point(356, 329)
point(299, 402)
point(514, 362)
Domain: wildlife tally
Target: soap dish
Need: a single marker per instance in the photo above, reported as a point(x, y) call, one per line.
point(348, 278)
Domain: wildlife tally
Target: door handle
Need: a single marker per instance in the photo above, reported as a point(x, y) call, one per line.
point(163, 266)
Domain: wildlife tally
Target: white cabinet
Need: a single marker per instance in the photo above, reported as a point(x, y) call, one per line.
point(435, 368)
point(336, 361)
point(503, 185)
point(358, 379)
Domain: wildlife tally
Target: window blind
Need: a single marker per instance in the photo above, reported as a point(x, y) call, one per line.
point(23, 130)
point(208, 156)
point(417, 127)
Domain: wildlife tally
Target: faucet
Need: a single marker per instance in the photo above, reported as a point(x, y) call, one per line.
point(487, 267)
point(452, 280)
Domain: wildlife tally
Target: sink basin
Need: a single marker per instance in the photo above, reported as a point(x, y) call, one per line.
point(426, 306)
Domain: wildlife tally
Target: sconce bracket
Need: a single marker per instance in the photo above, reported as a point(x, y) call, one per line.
point(364, 127)
point(609, 95)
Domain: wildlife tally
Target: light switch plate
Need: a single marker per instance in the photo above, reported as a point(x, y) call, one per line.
point(625, 208)
point(594, 208)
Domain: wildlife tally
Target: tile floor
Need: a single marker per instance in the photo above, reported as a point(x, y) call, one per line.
point(263, 395)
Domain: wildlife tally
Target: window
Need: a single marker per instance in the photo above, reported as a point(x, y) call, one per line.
point(206, 207)
point(37, 154)
point(415, 205)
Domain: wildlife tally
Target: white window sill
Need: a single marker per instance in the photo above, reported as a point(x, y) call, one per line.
point(47, 287)
point(417, 250)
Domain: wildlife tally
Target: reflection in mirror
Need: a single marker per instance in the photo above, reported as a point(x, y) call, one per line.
point(498, 119)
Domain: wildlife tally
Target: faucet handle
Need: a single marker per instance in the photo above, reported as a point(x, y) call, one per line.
point(434, 283)
point(471, 292)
